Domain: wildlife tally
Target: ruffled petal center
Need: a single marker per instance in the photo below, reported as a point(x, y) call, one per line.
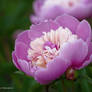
point(45, 48)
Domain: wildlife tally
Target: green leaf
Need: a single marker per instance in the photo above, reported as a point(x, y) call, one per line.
point(84, 82)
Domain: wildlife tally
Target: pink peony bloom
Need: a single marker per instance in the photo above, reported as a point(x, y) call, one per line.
point(48, 49)
point(50, 9)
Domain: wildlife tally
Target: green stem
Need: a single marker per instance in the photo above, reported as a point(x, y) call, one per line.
point(72, 86)
point(63, 86)
point(47, 88)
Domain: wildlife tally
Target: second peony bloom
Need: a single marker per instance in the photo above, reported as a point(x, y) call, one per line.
point(50, 9)
point(48, 49)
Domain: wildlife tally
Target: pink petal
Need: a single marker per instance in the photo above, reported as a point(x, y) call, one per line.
point(82, 11)
point(75, 52)
point(85, 63)
point(21, 51)
point(15, 60)
point(68, 21)
point(37, 30)
point(53, 71)
point(84, 30)
point(23, 37)
point(37, 6)
point(88, 59)
point(25, 66)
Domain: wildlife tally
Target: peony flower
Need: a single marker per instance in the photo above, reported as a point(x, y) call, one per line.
point(48, 49)
point(50, 9)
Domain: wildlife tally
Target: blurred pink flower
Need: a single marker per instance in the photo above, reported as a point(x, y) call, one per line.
point(48, 49)
point(50, 9)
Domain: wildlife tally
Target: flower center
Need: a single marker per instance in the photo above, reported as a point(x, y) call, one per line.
point(45, 48)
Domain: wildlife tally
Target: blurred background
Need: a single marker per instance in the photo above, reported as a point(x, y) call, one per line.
point(15, 17)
